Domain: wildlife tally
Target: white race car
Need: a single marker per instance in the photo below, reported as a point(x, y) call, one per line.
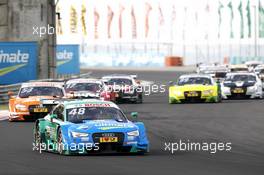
point(242, 85)
point(126, 86)
point(214, 70)
point(252, 65)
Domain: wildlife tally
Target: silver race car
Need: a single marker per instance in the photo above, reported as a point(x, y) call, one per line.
point(242, 85)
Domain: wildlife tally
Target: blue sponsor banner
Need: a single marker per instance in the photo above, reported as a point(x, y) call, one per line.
point(18, 62)
point(68, 59)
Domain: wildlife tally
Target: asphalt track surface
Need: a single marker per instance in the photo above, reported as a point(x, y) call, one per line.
point(238, 121)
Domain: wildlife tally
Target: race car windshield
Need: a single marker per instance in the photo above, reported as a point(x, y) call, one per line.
point(40, 91)
point(239, 69)
point(79, 115)
point(194, 80)
point(260, 71)
point(120, 81)
point(241, 78)
point(94, 87)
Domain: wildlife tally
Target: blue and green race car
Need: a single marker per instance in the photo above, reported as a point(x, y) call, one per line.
point(89, 126)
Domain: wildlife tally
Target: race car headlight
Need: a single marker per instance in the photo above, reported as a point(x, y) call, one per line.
point(79, 134)
point(178, 93)
point(133, 133)
point(253, 88)
point(21, 107)
point(208, 92)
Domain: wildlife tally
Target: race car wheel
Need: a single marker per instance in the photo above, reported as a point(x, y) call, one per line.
point(219, 99)
point(60, 143)
point(139, 99)
point(37, 136)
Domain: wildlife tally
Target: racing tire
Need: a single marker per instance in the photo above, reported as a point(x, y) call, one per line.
point(219, 99)
point(37, 137)
point(139, 99)
point(60, 143)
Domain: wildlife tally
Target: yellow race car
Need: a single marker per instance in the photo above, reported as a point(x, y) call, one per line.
point(195, 88)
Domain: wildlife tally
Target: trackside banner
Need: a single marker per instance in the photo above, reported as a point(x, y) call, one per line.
point(68, 59)
point(18, 62)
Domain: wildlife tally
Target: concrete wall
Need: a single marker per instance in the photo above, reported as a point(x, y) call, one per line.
point(17, 19)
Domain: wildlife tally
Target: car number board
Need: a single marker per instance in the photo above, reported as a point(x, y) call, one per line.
point(108, 139)
point(192, 94)
point(238, 90)
point(40, 109)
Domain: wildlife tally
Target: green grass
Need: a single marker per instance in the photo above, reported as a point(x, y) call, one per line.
point(3, 107)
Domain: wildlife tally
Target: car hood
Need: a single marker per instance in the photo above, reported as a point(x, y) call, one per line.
point(194, 87)
point(239, 83)
point(103, 126)
point(32, 100)
point(87, 94)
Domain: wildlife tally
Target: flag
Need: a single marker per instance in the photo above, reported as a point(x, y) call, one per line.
point(121, 9)
point(196, 18)
point(231, 19)
point(148, 8)
point(173, 14)
point(248, 19)
point(184, 23)
point(241, 20)
point(134, 23)
point(207, 10)
point(96, 21)
point(220, 6)
point(58, 24)
point(261, 21)
point(161, 17)
point(110, 15)
point(73, 20)
point(83, 14)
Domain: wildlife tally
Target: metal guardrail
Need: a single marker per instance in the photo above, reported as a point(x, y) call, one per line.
point(4, 99)
point(4, 92)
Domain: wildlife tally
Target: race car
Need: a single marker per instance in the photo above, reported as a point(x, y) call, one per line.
point(242, 85)
point(26, 105)
point(215, 70)
point(126, 86)
point(238, 68)
point(89, 126)
point(194, 88)
point(88, 88)
point(252, 65)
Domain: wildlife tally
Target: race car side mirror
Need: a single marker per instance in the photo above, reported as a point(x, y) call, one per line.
point(53, 116)
point(171, 83)
point(134, 116)
point(10, 94)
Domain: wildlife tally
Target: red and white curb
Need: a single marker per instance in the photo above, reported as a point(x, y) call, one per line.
point(4, 115)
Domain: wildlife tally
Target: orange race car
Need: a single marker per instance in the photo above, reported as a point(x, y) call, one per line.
point(27, 104)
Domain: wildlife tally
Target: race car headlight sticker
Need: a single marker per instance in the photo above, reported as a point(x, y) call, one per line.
point(253, 88)
point(208, 92)
point(79, 134)
point(21, 107)
point(133, 133)
point(178, 93)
